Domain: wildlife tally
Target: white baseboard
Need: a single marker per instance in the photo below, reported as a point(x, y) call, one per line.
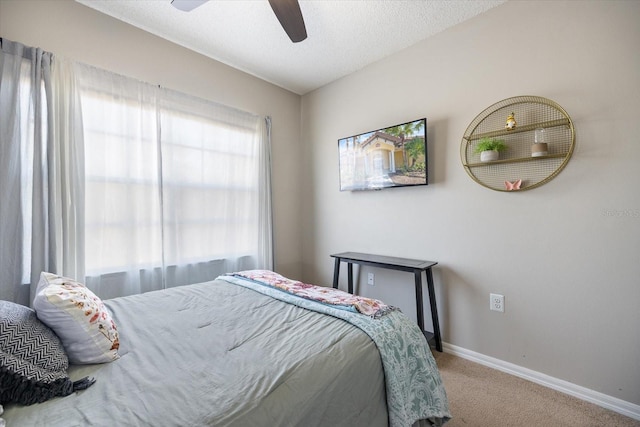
point(617, 405)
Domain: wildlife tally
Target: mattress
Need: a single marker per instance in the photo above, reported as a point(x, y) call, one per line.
point(221, 354)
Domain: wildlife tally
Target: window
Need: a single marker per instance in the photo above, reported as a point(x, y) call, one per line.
point(172, 186)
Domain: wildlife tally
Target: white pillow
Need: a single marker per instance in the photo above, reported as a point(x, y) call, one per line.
point(78, 317)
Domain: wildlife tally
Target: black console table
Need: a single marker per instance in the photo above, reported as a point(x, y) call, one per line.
point(403, 264)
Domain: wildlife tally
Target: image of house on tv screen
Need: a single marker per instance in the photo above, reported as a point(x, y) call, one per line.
point(390, 157)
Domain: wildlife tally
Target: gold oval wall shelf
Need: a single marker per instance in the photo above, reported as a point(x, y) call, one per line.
point(516, 162)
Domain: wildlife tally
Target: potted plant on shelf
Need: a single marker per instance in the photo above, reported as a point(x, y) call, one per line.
point(489, 149)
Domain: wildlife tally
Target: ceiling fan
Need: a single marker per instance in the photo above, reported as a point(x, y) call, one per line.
point(287, 11)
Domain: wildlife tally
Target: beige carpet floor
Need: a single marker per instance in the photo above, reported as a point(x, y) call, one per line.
point(481, 396)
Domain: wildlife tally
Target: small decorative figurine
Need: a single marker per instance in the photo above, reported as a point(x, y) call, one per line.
point(511, 122)
point(515, 185)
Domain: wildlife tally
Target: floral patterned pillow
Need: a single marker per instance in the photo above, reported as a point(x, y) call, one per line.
point(78, 317)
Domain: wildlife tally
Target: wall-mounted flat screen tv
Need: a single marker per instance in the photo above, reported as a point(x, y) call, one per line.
point(395, 156)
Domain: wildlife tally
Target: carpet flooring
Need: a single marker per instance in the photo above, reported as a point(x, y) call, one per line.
point(481, 396)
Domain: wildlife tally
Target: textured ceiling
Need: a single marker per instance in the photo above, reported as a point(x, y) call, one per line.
point(343, 35)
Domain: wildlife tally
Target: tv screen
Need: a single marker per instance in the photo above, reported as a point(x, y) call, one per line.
point(395, 156)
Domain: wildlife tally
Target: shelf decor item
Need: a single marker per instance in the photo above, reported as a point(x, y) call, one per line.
point(489, 149)
point(511, 122)
point(539, 147)
point(515, 185)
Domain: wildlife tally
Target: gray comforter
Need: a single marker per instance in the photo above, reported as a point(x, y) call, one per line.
point(218, 354)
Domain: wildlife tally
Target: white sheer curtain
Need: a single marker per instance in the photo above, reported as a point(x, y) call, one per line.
point(66, 172)
point(210, 181)
point(123, 233)
point(177, 191)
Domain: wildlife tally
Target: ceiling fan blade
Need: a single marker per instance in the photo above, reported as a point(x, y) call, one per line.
point(290, 16)
point(187, 5)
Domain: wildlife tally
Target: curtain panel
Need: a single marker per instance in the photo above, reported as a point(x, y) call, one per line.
point(20, 71)
point(25, 76)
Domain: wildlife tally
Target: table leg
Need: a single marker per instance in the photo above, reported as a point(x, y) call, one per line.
point(434, 310)
point(419, 308)
point(336, 272)
point(350, 270)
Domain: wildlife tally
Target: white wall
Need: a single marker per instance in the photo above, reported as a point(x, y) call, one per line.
point(70, 29)
point(565, 255)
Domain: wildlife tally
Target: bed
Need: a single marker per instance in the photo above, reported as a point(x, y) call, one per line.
point(238, 351)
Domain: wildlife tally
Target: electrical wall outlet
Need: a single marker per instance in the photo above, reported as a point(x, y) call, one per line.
point(496, 302)
point(370, 279)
